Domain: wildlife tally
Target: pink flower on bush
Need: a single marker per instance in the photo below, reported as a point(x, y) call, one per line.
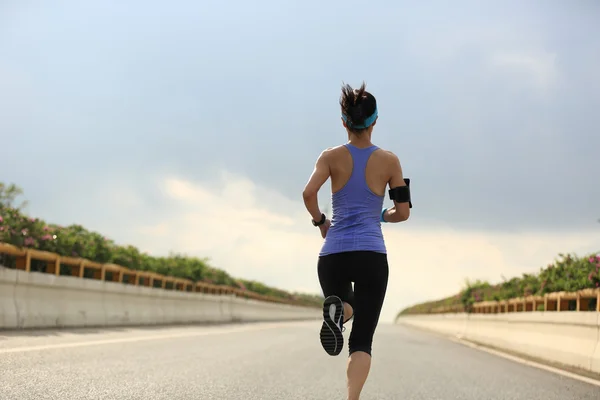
point(46, 229)
point(46, 237)
point(29, 241)
point(1, 219)
point(24, 232)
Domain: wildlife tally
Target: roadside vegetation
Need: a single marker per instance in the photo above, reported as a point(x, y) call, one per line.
point(22, 230)
point(568, 273)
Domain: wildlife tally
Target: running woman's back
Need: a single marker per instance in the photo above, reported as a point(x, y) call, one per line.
point(359, 176)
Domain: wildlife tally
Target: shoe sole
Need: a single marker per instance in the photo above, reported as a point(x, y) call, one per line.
point(332, 339)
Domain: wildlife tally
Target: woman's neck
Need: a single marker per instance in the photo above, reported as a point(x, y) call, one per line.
point(363, 140)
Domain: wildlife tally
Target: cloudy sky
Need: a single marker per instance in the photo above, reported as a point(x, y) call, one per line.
point(193, 127)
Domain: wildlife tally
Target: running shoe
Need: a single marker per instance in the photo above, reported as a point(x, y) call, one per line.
point(332, 339)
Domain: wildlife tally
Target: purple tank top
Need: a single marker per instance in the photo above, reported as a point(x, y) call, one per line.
point(355, 224)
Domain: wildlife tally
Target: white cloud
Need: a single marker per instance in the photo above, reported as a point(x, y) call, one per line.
point(537, 67)
point(235, 226)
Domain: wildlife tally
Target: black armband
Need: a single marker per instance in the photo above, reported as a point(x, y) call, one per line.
point(401, 194)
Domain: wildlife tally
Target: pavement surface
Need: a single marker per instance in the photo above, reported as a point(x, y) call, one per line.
point(260, 361)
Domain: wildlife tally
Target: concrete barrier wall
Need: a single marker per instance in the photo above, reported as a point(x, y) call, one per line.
point(39, 300)
point(568, 338)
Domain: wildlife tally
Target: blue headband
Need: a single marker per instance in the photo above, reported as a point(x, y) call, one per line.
point(368, 122)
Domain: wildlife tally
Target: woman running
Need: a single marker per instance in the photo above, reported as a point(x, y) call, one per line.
point(354, 250)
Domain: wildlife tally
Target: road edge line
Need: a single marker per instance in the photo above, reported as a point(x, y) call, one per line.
point(565, 371)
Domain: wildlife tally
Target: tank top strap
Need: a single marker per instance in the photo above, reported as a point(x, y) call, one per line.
point(360, 157)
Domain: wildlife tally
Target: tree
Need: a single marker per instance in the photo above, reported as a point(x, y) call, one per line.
point(8, 195)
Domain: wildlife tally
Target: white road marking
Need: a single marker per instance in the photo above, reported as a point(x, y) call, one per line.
point(207, 332)
point(529, 363)
point(457, 339)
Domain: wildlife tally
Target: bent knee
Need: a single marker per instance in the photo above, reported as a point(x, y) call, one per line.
point(362, 343)
point(363, 349)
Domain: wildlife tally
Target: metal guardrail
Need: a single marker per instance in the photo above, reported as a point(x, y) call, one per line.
point(556, 301)
point(120, 274)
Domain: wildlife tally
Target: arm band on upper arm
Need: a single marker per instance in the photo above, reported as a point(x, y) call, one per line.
point(401, 194)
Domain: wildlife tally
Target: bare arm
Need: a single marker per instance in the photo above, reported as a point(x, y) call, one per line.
point(400, 211)
point(319, 176)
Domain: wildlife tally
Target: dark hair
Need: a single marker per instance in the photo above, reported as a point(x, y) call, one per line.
point(357, 106)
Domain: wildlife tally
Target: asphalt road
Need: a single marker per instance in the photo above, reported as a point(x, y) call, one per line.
point(260, 361)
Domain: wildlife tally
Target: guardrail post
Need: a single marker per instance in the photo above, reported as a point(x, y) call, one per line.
point(78, 270)
point(53, 267)
point(558, 303)
point(100, 273)
point(24, 262)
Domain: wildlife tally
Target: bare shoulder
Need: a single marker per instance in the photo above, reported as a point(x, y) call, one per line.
point(331, 151)
point(336, 149)
point(390, 157)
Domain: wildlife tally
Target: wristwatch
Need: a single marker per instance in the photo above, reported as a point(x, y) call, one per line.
point(321, 222)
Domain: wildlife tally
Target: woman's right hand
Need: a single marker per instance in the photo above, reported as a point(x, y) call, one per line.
point(325, 228)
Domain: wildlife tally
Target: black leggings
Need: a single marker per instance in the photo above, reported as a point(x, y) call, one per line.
point(369, 271)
